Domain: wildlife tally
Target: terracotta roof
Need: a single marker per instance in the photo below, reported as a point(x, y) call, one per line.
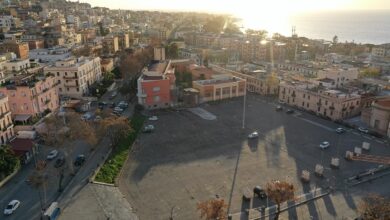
point(384, 103)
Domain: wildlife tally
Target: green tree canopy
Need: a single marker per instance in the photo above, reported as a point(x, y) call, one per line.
point(8, 161)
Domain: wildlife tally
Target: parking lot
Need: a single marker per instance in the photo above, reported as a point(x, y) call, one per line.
point(188, 159)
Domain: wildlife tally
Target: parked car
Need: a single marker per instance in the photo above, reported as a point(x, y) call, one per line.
point(148, 129)
point(59, 162)
point(253, 135)
point(153, 118)
point(363, 130)
point(80, 159)
point(53, 154)
point(289, 111)
point(340, 130)
point(118, 109)
point(324, 145)
point(11, 207)
point(259, 192)
point(113, 95)
point(123, 104)
point(279, 108)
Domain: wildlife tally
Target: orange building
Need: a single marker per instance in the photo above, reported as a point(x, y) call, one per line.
point(156, 85)
point(21, 49)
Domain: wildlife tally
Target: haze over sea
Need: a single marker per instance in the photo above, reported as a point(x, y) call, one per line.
point(358, 26)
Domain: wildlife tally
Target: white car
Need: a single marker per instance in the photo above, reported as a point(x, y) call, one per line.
point(153, 118)
point(11, 207)
point(253, 135)
point(324, 145)
point(363, 129)
point(53, 154)
point(118, 109)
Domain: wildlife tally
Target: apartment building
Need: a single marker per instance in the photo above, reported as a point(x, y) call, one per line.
point(220, 87)
point(377, 117)
point(9, 21)
point(256, 81)
point(75, 75)
point(31, 95)
point(341, 76)
point(156, 85)
point(50, 55)
point(15, 65)
point(21, 49)
point(123, 41)
point(6, 124)
point(379, 51)
point(330, 103)
point(110, 44)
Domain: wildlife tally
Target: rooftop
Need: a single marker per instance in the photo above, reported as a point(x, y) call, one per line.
point(218, 80)
point(384, 103)
point(158, 66)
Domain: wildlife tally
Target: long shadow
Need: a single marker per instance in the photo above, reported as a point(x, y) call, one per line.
point(292, 212)
point(348, 199)
point(329, 205)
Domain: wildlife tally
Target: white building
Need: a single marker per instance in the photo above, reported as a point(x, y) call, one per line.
point(7, 21)
point(341, 76)
point(16, 65)
point(50, 55)
point(75, 75)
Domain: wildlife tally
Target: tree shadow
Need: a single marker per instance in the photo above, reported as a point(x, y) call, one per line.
point(292, 212)
point(329, 205)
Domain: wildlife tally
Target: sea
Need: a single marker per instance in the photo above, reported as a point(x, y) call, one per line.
point(353, 26)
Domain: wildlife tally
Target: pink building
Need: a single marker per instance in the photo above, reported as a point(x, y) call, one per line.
point(6, 124)
point(31, 95)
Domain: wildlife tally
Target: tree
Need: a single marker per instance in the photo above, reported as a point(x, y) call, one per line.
point(38, 180)
point(172, 51)
point(370, 72)
point(374, 207)
point(279, 192)
point(84, 51)
point(213, 209)
point(115, 128)
point(8, 161)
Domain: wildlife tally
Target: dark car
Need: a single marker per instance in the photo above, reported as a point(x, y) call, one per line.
point(259, 192)
point(289, 111)
point(80, 159)
point(59, 162)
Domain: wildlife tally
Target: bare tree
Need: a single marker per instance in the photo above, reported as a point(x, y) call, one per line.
point(213, 209)
point(115, 128)
point(374, 207)
point(279, 192)
point(38, 180)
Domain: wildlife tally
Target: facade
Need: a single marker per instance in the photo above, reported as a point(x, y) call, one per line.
point(329, 103)
point(221, 87)
point(35, 44)
point(107, 65)
point(379, 51)
point(16, 65)
point(156, 85)
point(9, 21)
point(30, 95)
point(75, 75)
point(6, 124)
point(123, 41)
point(110, 45)
point(378, 116)
point(257, 81)
point(21, 49)
point(341, 76)
point(50, 55)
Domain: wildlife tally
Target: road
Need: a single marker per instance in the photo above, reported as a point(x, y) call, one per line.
point(30, 206)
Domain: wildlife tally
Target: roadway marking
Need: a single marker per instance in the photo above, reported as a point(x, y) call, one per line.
point(318, 124)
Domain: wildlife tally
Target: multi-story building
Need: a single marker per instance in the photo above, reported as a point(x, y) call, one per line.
point(329, 103)
point(110, 45)
point(379, 51)
point(21, 49)
point(341, 76)
point(257, 81)
point(377, 117)
point(221, 87)
point(6, 124)
point(50, 55)
point(156, 85)
point(36, 44)
point(123, 41)
point(31, 95)
point(75, 75)
point(9, 21)
point(107, 65)
point(16, 65)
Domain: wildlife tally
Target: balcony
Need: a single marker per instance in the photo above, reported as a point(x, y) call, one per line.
point(74, 86)
point(331, 107)
point(4, 114)
point(70, 77)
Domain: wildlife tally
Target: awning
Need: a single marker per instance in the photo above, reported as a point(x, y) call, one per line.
point(21, 118)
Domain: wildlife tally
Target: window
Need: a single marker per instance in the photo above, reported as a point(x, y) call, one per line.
point(303, 104)
point(326, 102)
point(156, 98)
point(58, 73)
point(60, 89)
point(304, 95)
point(156, 89)
point(307, 105)
point(308, 97)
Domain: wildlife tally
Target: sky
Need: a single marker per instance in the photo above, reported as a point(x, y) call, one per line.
point(243, 6)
